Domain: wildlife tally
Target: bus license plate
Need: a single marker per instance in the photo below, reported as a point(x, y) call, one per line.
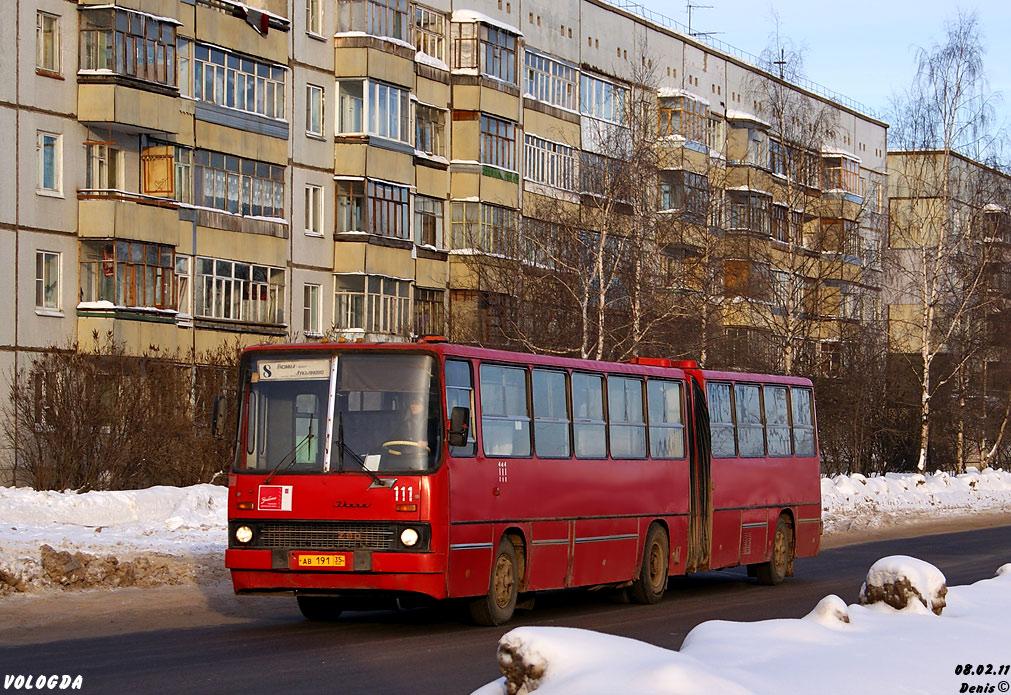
point(320, 561)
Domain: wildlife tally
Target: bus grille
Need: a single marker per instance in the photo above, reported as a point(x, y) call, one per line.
point(328, 535)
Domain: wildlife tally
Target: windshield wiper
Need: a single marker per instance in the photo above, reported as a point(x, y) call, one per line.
point(342, 447)
point(290, 455)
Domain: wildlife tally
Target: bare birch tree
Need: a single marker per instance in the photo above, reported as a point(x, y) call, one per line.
point(935, 238)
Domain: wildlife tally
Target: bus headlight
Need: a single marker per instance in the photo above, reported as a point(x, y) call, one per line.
point(243, 534)
point(409, 537)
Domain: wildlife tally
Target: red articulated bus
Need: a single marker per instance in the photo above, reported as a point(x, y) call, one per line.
point(367, 472)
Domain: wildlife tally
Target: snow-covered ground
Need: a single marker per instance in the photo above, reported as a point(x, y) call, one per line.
point(185, 527)
point(834, 649)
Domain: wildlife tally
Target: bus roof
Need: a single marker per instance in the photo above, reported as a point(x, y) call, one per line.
point(494, 355)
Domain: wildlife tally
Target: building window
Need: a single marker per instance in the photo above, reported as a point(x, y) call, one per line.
point(226, 79)
point(128, 273)
point(47, 280)
point(314, 17)
point(374, 207)
point(50, 154)
point(238, 291)
point(429, 130)
point(483, 227)
point(47, 42)
point(373, 108)
point(840, 236)
point(428, 221)
point(841, 173)
point(105, 168)
point(550, 163)
point(183, 283)
point(550, 81)
point(748, 212)
point(685, 192)
point(372, 303)
point(684, 116)
point(374, 17)
point(313, 110)
point(429, 312)
point(313, 210)
point(311, 310)
point(128, 43)
point(237, 185)
point(498, 143)
point(601, 99)
point(490, 50)
point(430, 31)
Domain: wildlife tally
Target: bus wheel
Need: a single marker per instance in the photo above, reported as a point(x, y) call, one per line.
point(497, 606)
point(773, 571)
point(319, 608)
point(649, 586)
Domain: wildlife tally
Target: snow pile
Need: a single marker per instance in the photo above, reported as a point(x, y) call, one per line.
point(854, 502)
point(834, 649)
point(124, 538)
point(905, 583)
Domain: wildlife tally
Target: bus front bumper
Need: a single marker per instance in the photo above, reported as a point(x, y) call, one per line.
point(274, 571)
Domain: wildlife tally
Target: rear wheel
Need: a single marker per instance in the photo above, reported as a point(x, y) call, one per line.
point(774, 571)
point(497, 606)
point(319, 608)
point(649, 586)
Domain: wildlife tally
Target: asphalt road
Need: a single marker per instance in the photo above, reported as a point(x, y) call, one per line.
point(431, 651)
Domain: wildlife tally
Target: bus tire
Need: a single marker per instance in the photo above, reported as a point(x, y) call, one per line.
point(774, 571)
point(319, 608)
point(649, 586)
point(497, 606)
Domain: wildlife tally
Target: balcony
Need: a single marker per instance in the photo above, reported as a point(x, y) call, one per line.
point(108, 214)
point(127, 108)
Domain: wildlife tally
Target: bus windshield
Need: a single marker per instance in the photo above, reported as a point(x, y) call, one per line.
point(386, 413)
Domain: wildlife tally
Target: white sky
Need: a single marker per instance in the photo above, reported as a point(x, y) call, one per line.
point(863, 49)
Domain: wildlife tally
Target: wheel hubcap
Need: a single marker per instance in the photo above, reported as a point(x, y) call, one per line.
point(504, 581)
point(655, 566)
point(779, 552)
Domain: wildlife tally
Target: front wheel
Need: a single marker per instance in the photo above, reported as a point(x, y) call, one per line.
point(649, 586)
point(774, 571)
point(497, 606)
point(319, 608)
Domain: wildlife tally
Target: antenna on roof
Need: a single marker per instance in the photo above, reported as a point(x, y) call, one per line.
point(689, 6)
point(781, 62)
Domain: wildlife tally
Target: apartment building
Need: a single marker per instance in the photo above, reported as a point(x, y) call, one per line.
point(189, 172)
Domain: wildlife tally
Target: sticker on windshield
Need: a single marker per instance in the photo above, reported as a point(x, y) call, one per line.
point(293, 370)
point(274, 498)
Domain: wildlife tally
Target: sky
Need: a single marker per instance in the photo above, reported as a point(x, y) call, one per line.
point(863, 49)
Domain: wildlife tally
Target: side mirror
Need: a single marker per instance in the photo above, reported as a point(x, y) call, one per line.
point(218, 417)
point(459, 426)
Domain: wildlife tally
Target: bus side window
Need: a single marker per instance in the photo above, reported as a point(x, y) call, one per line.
point(460, 393)
point(589, 429)
point(627, 425)
point(551, 414)
point(803, 423)
point(505, 412)
point(777, 421)
point(750, 435)
point(666, 426)
point(721, 419)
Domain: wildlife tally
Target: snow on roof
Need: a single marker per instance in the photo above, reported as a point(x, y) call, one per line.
point(246, 8)
point(474, 16)
point(838, 151)
point(391, 39)
point(168, 20)
point(678, 92)
point(735, 115)
point(425, 59)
